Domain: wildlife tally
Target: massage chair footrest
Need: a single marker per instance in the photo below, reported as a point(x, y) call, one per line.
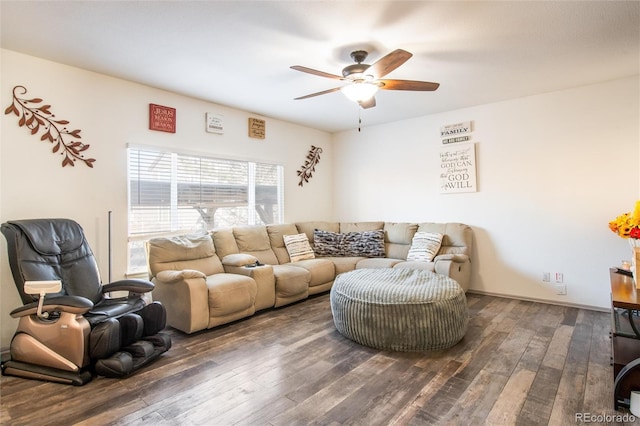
point(39, 372)
point(134, 356)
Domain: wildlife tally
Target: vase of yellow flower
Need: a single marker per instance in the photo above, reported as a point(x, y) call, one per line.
point(627, 226)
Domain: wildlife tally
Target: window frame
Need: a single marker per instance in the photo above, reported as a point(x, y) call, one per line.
point(253, 217)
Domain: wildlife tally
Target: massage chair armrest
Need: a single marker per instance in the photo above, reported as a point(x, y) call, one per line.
point(457, 258)
point(169, 277)
point(71, 304)
point(131, 285)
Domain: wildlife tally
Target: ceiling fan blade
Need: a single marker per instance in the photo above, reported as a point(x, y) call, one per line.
point(316, 72)
point(408, 85)
point(388, 63)
point(324, 92)
point(369, 103)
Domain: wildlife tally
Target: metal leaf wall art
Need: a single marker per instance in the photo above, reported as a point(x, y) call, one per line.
point(36, 118)
point(309, 166)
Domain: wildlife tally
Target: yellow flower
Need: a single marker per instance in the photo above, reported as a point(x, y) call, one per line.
point(626, 224)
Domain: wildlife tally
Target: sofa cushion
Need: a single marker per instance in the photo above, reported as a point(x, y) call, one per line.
point(292, 284)
point(344, 264)
point(276, 234)
point(224, 242)
point(322, 270)
point(397, 238)
point(309, 227)
point(458, 237)
point(180, 252)
point(298, 247)
point(360, 226)
point(231, 297)
point(254, 240)
point(424, 246)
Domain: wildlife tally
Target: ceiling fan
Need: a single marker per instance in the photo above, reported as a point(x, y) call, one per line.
point(364, 80)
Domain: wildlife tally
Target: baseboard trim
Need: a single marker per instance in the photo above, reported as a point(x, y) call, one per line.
point(549, 302)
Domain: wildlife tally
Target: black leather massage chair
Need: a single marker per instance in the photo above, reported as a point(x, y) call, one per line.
point(70, 328)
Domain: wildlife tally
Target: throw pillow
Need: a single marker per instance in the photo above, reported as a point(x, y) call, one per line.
point(326, 243)
point(366, 243)
point(425, 246)
point(298, 247)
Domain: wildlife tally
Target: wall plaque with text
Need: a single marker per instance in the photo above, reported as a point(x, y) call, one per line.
point(458, 168)
point(162, 118)
point(257, 128)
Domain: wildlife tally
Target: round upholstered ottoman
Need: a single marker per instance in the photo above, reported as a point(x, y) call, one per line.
point(399, 309)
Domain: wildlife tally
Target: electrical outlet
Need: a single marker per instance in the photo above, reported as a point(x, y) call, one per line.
point(546, 277)
point(561, 289)
point(559, 277)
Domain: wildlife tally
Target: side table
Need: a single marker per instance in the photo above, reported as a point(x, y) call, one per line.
point(625, 337)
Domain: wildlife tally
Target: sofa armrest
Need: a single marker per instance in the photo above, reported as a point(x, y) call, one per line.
point(169, 277)
point(238, 260)
point(458, 258)
point(455, 266)
point(185, 296)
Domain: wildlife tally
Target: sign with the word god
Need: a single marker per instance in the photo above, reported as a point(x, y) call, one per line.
point(458, 168)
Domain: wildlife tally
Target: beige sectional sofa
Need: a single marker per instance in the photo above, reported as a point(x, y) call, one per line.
point(208, 279)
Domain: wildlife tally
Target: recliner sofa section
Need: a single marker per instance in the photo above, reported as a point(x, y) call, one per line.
point(210, 279)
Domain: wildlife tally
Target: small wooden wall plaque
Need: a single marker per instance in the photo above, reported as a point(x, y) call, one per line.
point(257, 128)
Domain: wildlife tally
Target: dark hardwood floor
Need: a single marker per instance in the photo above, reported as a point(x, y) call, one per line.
point(520, 363)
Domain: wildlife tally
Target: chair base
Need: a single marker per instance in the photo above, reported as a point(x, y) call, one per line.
point(38, 372)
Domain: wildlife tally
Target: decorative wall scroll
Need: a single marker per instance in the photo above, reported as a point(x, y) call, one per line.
point(36, 118)
point(257, 128)
point(162, 118)
point(309, 166)
point(458, 168)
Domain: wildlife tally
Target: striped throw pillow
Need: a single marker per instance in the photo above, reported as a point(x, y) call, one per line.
point(298, 247)
point(424, 246)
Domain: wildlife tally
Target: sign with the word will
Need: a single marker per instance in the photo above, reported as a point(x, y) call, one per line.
point(458, 168)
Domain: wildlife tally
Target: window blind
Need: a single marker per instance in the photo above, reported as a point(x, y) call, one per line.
point(171, 193)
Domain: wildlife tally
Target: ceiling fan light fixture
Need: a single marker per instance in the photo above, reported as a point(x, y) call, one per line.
point(358, 92)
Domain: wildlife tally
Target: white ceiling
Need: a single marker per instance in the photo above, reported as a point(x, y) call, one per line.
point(238, 53)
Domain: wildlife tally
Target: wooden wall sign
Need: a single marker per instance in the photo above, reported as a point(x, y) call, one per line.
point(162, 118)
point(257, 128)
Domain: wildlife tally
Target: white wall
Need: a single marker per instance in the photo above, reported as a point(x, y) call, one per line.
point(552, 170)
point(110, 114)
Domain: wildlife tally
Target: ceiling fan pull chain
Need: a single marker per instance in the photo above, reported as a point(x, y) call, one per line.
point(359, 118)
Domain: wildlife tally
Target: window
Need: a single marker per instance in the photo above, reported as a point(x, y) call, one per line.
point(172, 193)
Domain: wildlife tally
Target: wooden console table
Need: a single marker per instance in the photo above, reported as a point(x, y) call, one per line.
point(625, 337)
